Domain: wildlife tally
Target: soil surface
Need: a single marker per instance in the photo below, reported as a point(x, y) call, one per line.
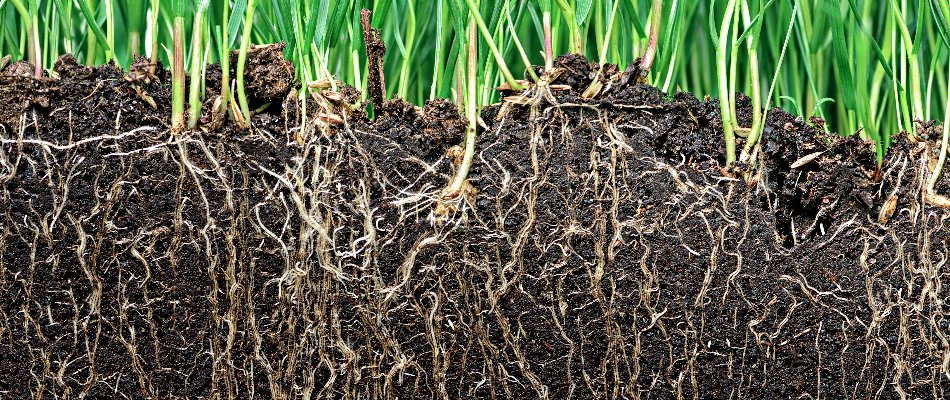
point(602, 253)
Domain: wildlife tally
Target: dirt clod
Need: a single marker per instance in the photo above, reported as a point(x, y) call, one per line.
point(268, 75)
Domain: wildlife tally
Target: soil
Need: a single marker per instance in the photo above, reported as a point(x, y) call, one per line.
point(604, 252)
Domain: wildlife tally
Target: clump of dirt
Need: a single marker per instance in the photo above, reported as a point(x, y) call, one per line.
point(604, 255)
point(444, 124)
point(268, 75)
point(19, 68)
point(577, 71)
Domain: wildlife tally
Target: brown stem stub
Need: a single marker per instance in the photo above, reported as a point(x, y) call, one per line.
point(375, 53)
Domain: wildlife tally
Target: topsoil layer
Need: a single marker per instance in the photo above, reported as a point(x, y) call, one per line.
point(600, 251)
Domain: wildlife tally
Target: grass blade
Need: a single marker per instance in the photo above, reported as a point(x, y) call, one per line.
point(339, 12)
point(317, 24)
point(234, 23)
point(94, 26)
point(842, 58)
point(874, 45)
point(582, 11)
point(941, 13)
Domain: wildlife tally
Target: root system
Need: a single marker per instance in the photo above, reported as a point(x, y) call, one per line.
point(603, 252)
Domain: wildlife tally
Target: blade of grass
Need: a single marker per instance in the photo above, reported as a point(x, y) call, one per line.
point(842, 58)
point(409, 41)
point(178, 69)
point(224, 58)
point(438, 50)
point(357, 43)
point(882, 60)
point(517, 42)
point(609, 34)
point(236, 19)
point(242, 60)
point(725, 100)
point(450, 65)
point(913, 61)
point(756, 134)
point(381, 11)
point(491, 45)
point(94, 26)
point(197, 64)
point(339, 12)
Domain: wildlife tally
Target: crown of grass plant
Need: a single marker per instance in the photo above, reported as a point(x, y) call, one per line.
point(873, 68)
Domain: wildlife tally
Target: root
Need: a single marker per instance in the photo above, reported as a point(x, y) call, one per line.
point(328, 260)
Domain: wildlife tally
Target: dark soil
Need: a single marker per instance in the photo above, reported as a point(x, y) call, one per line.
point(605, 254)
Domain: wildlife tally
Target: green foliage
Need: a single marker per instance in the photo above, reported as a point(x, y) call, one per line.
point(884, 63)
point(583, 11)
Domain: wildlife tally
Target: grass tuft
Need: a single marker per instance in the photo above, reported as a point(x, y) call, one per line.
point(866, 67)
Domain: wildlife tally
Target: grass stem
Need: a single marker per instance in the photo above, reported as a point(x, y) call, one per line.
point(650, 54)
point(568, 11)
point(756, 134)
point(486, 34)
point(110, 27)
point(178, 76)
point(225, 61)
point(29, 18)
point(197, 64)
point(242, 60)
point(754, 91)
point(153, 61)
point(910, 50)
point(471, 113)
point(518, 45)
point(725, 101)
point(548, 42)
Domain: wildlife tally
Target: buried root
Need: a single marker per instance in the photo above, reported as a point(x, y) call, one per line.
point(597, 250)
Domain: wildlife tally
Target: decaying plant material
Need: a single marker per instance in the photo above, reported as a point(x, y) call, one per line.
point(605, 254)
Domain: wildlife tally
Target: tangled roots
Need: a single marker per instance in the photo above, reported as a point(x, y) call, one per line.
point(604, 255)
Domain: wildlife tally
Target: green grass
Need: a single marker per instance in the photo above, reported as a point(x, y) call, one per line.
point(867, 67)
